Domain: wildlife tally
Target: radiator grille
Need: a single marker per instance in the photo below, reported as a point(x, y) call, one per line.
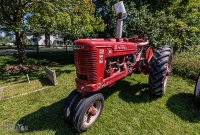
point(86, 64)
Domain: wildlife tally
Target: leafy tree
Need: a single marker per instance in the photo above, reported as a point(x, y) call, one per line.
point(70, 18)
point(12, 14)
point(4, 40)
point(46, 17)
point(13, 17)
point(84, 21)
point(174, 22)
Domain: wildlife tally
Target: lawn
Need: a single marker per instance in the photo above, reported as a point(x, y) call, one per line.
point(129, 107)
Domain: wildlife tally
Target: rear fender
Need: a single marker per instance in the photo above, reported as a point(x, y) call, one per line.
point(149, 55)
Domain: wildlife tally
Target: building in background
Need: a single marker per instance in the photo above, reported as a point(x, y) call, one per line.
point(55, 40)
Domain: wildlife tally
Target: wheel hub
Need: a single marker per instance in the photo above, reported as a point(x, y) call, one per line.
point(92, 114)
point(168, 70)
point(92, 110)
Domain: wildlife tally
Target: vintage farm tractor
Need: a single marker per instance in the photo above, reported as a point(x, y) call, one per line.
point(102, 62)
point(197, 92)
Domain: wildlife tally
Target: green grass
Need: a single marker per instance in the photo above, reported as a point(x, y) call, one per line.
point(129, 107)
point(7, 47)
point(3, 47)
point(55, 61)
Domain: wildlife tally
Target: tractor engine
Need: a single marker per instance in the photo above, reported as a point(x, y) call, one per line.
point(102, 62)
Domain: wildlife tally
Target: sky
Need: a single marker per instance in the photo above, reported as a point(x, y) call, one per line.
point(2, 34)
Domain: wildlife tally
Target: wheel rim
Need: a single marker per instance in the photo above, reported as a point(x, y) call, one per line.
point(92, 114)
point(168, 70)
point(165, 84)
point(197, 89)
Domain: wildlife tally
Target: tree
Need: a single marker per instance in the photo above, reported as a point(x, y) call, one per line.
point(84, 21)
point(71, 18)
point(47, 17)
point(173, 22)
point(68, 17)
point(12, 14)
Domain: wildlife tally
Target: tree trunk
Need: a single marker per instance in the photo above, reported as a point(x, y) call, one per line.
point(20, 47)
point(47, 40)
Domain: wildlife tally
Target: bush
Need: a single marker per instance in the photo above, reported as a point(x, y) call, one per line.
point(186, 65)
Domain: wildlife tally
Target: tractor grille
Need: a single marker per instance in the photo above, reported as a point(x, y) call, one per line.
point(86, 65)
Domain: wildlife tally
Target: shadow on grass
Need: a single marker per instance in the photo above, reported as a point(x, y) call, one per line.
point(45, 82)
point(14, 78)
point(136, 93)
point(51, 117)
point(44, 59)
point(51, 58)
point(48, 118)
point(182, 105)
point(60, 72)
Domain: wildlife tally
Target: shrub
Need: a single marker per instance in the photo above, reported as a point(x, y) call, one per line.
point(186, 65)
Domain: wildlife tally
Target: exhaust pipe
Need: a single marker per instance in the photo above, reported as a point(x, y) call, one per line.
point(121, 15)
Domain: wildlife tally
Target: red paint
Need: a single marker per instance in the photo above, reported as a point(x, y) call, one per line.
point(149, 54)
point(168, 70)
point(102, 62)
point(92, 111)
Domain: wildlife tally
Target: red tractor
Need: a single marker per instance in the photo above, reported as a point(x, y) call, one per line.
point(102, 62)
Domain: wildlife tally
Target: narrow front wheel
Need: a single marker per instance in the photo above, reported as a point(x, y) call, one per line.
point(71, 102)
point(88, 111)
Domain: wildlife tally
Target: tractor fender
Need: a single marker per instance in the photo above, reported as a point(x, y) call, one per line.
point(149, 54)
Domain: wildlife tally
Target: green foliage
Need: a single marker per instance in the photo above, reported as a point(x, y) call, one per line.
point(176, 23)
point(72, 18)
point(12, 13)
point(142, 22)
point(162, 28)
point(4, 40)
point(186, 65)
point(46, 17)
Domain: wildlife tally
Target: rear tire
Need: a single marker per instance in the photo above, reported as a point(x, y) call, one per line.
point(88, 111)
point(160, 65)
point(197, 92)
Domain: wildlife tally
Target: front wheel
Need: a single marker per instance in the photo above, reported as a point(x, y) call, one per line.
point(197, 92)
point(71, 102)
point(88, 111)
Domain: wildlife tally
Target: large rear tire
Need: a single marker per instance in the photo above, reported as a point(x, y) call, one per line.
point(88, 111)
point(197, 92)
point(160, 67)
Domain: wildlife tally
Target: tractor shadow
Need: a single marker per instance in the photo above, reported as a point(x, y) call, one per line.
point(135, 93)
point(48, 118)
point(183, 106)
point(51, 117)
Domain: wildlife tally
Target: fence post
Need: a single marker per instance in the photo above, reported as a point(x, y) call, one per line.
point(38, 49)
point(66, 48)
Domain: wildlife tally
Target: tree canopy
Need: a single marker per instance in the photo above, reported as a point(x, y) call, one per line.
point(70, 18)
point(173, 22)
